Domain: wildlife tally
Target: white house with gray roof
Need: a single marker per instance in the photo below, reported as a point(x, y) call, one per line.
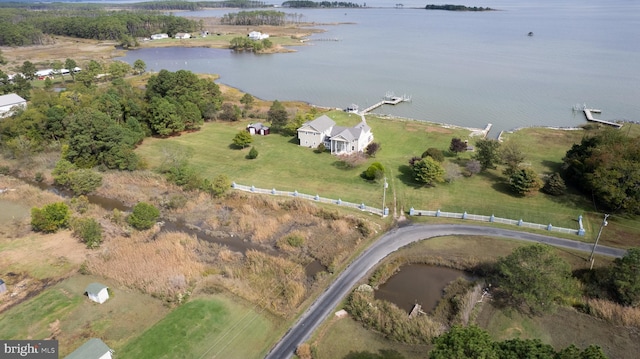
point(339, 140)
point(9, 102)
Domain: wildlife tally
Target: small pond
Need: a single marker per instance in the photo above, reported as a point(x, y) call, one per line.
point(418, 283)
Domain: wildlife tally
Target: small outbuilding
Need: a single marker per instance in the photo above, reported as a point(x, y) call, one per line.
point(93, 349)
point(97, 292)
point(3, 286)
point(183, 35)
point(9, 102)
point(258, 128)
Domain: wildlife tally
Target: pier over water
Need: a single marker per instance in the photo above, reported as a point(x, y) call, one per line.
point(588, 113)
point(389, 99)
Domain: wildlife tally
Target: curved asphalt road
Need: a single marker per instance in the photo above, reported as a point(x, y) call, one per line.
point(390, 242)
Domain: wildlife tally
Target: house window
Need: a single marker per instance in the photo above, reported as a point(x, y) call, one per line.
point(353, 148)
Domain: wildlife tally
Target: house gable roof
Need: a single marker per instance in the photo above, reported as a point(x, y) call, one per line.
point(11, 99)
point(95, 288)
point(350, 133)
point(320, 124)
point(94, 348)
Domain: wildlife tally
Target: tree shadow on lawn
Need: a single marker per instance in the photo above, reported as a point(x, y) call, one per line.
point(406, 176)
point(553, 166)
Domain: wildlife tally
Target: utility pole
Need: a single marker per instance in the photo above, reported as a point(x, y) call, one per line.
point(604, 224)
point(384, 194)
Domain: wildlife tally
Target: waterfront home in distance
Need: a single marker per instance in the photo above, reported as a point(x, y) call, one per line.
point(182, 35)
point(159, 36)
point(8, 103)
point(257, 35)
point(337, 139)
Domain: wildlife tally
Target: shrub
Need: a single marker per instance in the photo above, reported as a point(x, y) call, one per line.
point(374, 172)
point(220, 185)
point(554, 185)
point(253, 153)
point(88, 230)
point(80, 204)
point(295, 240)
point(473, 167)
point(372, 149)
point(84, 181)
point(144, 216)
point(50, 218)
point(39, 177)
point(321, 148)
point(434, 153)
point(61, 172)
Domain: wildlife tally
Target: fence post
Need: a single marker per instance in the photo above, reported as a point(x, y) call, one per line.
point(581, 231)
point(233, 185)
point(520, 222)
point(464, 215)
point(549, 227)
point(295, 193)
point(438, 213)
point(273, 191)
point(362, 206)
point(317, 197)
point(339, 201)
point(253, 189)
point(492, 218)
point(386, 211)
point(412, 211)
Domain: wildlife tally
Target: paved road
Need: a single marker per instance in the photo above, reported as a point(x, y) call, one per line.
point(390, 242)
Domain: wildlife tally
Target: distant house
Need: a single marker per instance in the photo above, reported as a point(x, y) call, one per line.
point(339, 140)
point(93, 349)
point(183, 35)
point(9, 102)
point(258, 128)
point(3, 286)
point(257, 35)
point(204, 33)
point(159, 36)
point(97, 292)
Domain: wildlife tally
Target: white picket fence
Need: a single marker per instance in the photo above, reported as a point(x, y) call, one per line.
point(316, 198)
point(412, 212)
point(493, 219)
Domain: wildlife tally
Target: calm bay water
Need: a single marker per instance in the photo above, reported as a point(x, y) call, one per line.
point(462, 68)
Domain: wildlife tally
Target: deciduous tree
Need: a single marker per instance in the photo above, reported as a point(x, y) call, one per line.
point(535, 279)
point(457, 145)
point(428, 171)
point(487, 153)
point(625, 278)
point(242, 139)
point(278, 116)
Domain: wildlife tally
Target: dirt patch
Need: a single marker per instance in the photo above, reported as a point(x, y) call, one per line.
point(61, 48)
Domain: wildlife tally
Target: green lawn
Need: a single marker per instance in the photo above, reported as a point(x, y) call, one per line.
point(205, 328)
point(124, 316)
point(284, 165)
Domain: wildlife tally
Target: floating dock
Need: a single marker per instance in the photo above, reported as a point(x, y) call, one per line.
point(588, 113)
point(389, 99)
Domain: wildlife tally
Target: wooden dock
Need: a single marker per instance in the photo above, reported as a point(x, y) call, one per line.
point(417, 309)
point(389, 99)
point(588, 113)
